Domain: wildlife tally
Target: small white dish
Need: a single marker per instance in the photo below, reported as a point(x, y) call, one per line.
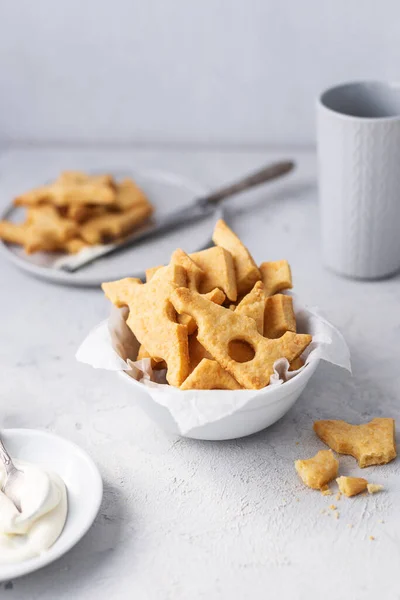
point(81, 477)
point(167, 192)
point(264, 409)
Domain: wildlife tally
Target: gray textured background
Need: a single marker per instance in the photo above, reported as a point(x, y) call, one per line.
point(178, 71)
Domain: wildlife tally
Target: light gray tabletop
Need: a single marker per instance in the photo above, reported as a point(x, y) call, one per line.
point(183, 519)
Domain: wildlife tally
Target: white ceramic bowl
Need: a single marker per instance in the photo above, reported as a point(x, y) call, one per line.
point(261, 412)
point(84, 489)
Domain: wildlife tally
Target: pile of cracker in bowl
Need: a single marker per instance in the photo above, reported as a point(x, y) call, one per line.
point(213, 319)
point(76, 211)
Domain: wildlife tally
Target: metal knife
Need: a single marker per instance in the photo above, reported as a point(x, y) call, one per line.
point(201, 208)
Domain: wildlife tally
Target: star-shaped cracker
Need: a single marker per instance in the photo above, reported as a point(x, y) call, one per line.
point(247, 272)
point(218, 326)
point(372, 443)
point(152, 317)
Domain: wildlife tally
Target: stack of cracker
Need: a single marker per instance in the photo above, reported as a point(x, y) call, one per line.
point(213, 319)
point(76, 211)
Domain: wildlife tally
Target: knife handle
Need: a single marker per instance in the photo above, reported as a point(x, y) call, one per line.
point(265, 174)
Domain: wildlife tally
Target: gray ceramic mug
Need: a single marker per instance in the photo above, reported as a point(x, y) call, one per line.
point(358, 139)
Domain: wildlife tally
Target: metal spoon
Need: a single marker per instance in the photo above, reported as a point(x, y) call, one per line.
point(14, 477)
point(47, 495)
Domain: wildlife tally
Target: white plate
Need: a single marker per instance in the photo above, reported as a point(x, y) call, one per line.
point(84, 489)
point(167, 192)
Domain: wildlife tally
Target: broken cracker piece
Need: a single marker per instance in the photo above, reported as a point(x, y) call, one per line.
point(152, 317)
point(247, 272)
point(373, 488)
point(219, 271)
point(254, 374)
point(372, 443)
point(279, 316)
point(209, 375)
point(351, 486)
point(276, 276)
point(318, 471)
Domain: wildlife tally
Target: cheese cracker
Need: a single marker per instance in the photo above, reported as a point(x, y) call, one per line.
point(246, 270)
point(254, 374)
point(276, 276)
point(219, 271)
point(279, 316)
point(209, 375)
point(152, 317)
point(372, 443)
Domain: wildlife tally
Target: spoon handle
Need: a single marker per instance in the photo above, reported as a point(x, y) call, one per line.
point(6, 459)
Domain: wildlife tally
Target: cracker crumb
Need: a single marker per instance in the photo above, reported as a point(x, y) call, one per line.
point(349, 525)
point(333, 507)
point(297, 443)
point(323, 512)
point(351, 486)
point(374, 487)
point(297, 499)
point(337, 514)
point(371, 537)
point(325, 491)
point(338, 495)
point(381, 521)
